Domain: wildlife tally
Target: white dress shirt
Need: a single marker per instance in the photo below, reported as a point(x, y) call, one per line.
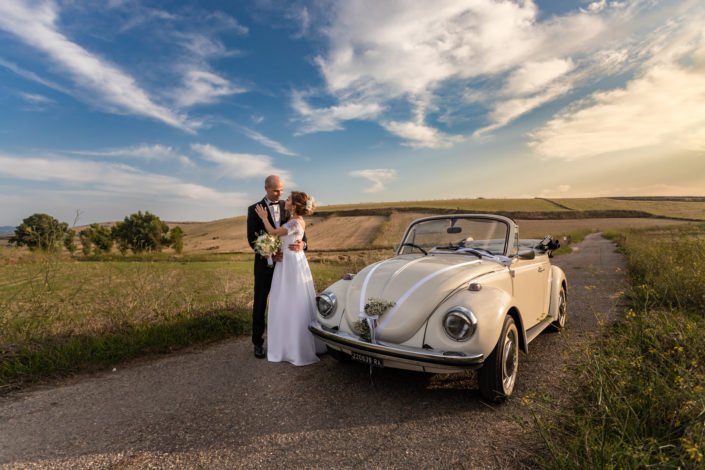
point(274, 211)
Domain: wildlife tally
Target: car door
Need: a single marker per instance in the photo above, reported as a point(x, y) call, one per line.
point(530, 286)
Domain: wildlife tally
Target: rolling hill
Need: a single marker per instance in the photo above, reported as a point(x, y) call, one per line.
point(357, 226)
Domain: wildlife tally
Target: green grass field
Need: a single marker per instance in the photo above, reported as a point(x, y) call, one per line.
point(59, 315)
point(640, 398)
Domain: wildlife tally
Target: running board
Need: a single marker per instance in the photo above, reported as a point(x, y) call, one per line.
point(535, 330)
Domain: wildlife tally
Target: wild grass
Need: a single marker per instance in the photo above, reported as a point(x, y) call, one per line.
point(59, 315)
point(641, 402)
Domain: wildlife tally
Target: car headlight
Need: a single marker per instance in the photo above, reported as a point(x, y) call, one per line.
point(459, 323)
point(326, 303)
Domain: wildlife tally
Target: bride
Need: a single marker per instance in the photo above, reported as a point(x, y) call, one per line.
point(292, 300)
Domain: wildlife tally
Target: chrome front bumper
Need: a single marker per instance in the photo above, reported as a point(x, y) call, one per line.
point(397, 356)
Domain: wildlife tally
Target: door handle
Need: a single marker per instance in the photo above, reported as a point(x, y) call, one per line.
point(541, 269)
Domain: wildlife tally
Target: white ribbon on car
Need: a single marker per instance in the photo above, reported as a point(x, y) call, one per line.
point(370, 319)
point(501, 259)
point(415, 287)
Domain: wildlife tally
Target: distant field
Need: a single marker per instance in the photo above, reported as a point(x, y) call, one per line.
point(482, 205)
point(556, 228)
point(394, 229)
point(338, 227)
point(345, 232)
point(224, 235)
point(681, 209)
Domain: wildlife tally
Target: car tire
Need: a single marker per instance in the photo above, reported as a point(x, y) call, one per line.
point(339, 355)
point(559, 324)
point(497, 376)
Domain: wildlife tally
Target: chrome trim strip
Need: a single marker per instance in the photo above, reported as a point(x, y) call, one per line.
point(396, 352)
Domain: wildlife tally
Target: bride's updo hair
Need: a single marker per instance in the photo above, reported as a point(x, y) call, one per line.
point(302, 202)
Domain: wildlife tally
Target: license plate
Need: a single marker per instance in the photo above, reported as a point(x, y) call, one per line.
point(365, 359)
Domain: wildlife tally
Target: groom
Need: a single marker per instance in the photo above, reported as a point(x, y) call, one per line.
point(263, 272)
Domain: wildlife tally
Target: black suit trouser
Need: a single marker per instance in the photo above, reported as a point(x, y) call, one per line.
point(263, 284)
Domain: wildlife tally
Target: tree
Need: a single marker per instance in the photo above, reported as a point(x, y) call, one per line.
point(70, 241)
point(86, 242)
point(141, 232)
point(40, 231)
point(98, 237)
point(176, 238)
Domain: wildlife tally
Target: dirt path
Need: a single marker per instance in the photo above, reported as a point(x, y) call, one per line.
point(222, 408)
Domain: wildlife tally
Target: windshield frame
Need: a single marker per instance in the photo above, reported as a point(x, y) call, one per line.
point(509, 235)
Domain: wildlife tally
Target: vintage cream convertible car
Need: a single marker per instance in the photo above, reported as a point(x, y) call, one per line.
point(462, 292)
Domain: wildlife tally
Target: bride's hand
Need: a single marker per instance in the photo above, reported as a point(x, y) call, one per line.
point(261, 212)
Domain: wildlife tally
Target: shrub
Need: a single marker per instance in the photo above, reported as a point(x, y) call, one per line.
point(141, 232)
point(97, 236)
point(40, 231)
point(176, 238)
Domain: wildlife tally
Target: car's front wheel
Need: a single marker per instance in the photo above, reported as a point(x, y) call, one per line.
point(498, 375)
point(559, 323)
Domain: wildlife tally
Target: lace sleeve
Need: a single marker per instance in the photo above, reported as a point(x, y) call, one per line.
point(293, 228)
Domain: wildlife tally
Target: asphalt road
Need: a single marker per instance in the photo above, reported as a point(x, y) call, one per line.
point(221, 408)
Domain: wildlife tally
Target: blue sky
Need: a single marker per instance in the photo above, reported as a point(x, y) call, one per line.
point(183, 108)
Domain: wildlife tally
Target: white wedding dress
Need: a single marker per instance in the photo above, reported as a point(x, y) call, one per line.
point(292, 306)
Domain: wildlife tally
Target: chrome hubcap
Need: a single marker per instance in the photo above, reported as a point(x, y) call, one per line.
point(510, 360)
point(561, 309)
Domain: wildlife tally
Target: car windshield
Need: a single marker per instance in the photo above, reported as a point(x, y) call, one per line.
point(451, 234)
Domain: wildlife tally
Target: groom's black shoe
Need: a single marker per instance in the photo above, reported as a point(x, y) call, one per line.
point(259, 351)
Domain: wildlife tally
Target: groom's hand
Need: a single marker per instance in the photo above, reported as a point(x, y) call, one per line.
point(297, 246)
point(278, 257)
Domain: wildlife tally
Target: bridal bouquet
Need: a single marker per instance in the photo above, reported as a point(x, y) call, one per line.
point(267, 245)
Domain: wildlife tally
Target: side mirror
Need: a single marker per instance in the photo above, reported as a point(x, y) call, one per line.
point(526, 254)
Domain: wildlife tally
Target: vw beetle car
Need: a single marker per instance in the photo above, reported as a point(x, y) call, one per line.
point(462, 292)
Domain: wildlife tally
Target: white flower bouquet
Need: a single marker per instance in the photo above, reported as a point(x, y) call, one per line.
point(267, 246)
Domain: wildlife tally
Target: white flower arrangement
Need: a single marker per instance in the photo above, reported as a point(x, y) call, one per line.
point(267, 245)
point(309, 204)
point(373, 311)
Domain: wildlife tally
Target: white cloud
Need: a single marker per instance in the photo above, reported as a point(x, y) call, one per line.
point(143, 151)
point(103, 178)
point(381, 52)
point(533, 77)
point(303, 18)
point(664, 106)
point(267, 142)
point(377, 176)
point(33, 76)
point(35, 25)
point(420, 135)
point(35, 98)
point(330, 119)
point(201, 86)
point(241, 165)
point(506, 111)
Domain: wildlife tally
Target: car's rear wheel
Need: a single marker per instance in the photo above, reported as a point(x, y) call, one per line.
point(498, 375)
point(559, 323)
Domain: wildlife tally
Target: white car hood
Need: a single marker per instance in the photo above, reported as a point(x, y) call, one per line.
point(417, 284)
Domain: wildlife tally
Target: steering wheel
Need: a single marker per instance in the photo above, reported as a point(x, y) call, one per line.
point(414, 246)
